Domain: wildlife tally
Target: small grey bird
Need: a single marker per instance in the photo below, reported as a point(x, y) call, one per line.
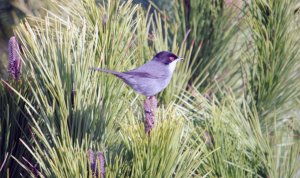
point(152, 77)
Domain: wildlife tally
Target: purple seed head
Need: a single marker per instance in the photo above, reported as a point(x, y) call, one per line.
point(229, 2)
point(94, 161)
point(101, 160)
point(33, 168)
point(14, 59)
point(104, 19)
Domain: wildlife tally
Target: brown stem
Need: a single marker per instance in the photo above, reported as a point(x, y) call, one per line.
point(150, 105)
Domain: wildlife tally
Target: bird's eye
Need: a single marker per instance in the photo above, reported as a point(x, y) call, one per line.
point(171, 58)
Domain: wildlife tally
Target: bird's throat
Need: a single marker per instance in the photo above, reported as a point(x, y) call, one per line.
point(172, 66)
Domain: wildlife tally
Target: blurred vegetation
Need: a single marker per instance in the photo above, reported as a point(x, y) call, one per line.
point(231, 109)
point(11, 13)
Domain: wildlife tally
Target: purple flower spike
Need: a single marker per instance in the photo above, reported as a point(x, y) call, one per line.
point(33, 169)
point(101, 160)
point(14, 65)
point(94, 161)
point(229, 2)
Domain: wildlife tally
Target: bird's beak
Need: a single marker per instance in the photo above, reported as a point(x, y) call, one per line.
point(180, 58)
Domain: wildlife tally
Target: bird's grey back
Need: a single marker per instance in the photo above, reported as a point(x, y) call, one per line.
point(154, 68)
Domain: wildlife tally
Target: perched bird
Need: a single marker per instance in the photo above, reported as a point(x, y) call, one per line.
point(152, 77)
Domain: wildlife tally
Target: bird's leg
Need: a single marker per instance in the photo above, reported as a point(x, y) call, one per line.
point(150, 105)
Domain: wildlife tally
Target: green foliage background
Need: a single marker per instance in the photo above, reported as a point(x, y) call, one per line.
point(231, 109)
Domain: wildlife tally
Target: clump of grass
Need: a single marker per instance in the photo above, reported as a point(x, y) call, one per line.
point(70, 102)
point(231, 132)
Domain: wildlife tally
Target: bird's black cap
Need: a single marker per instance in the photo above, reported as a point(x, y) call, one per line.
point(165, 57)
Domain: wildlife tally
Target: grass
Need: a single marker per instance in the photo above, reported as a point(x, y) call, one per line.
point(229, 111)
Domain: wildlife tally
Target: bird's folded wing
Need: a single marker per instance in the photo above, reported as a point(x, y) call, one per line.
point(142, 74)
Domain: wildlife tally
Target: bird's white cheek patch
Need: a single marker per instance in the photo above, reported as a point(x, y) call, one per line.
point(172, 66)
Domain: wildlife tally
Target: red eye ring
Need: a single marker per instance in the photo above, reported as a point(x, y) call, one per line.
point(171, 58)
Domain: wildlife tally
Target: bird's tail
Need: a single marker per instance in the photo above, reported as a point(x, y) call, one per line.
point(105, 70)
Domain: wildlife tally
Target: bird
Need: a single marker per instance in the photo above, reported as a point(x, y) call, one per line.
point(150, 78)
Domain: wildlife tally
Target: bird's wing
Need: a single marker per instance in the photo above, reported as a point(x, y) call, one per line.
point(141, 74)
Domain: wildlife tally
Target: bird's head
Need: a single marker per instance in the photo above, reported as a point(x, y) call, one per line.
point(166, 57)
